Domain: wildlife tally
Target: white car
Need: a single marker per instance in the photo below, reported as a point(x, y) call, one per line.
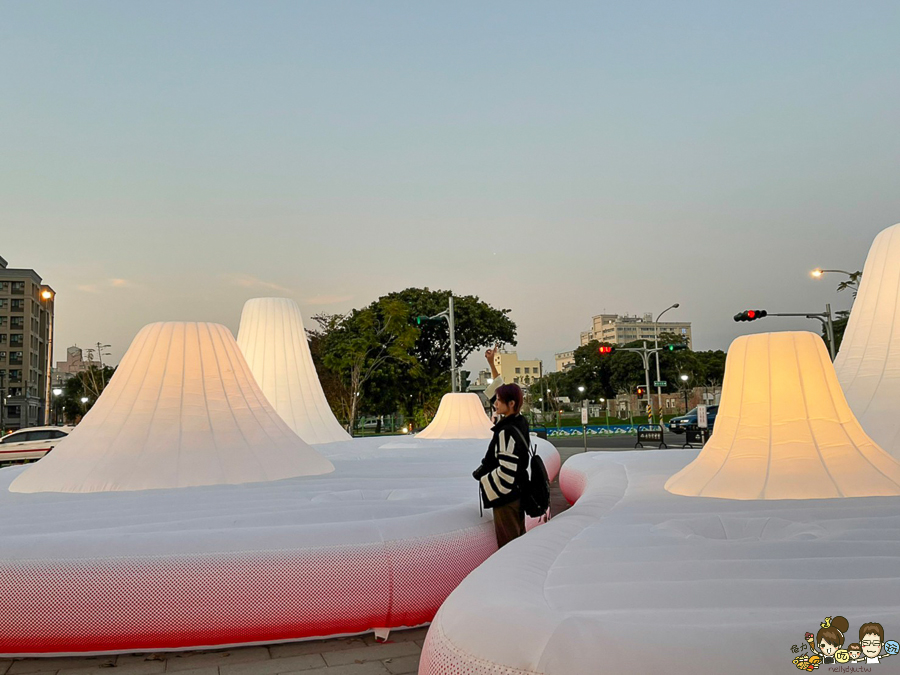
point(31, 443)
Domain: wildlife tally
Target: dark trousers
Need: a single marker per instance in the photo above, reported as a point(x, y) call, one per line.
point(509, 522)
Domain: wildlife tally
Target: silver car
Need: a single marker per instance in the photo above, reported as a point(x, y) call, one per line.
point(31, 443)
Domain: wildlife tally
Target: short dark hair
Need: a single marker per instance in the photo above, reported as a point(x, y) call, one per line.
point(509, 394)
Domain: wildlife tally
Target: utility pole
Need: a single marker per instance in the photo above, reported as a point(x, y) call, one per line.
point(645, 353)
point(824, 317)
point(451, 324)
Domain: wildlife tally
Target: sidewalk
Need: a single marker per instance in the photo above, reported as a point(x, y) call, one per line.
point(360, 655)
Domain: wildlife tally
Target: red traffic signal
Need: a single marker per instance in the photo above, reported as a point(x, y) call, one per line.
point(641, 391)
point(751, 315)
point(604, 349)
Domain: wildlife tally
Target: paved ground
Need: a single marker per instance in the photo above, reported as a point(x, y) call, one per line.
point(361, 655)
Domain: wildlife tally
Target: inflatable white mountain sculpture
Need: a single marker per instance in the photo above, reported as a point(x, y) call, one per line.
point(181, 410)
point(458, 416)
point(274, 343)
point(868, 365)
point(785, 431)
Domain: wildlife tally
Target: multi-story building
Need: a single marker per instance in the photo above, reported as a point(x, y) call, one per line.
point(618, 330)
point(565, 360)
point(74, 364)
point(512, 369)
point(26, 343)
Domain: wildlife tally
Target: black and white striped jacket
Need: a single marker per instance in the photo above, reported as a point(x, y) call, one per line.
point(504, 469)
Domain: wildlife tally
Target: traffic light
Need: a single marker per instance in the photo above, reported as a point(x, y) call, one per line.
point(751, 315)
point(427, 319)
point(641, 391)
point(604, 350)
point(676, 347)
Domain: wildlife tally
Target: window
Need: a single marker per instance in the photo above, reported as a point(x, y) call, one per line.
point(4, 286)
point(14, 411)
point(15, 375)
point(518, 371)
point(16, 339)
point(2, 320)
point(4, 303)
point(15, 392)
point(2, 356)
point(527, 370)
point(16, 305)
point(15, 358)
point(18, 287)
point(17, 323)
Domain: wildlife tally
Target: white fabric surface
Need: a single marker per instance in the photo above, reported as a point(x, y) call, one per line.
point(181, 410)
point(868, 364)
point(273, 341)
point(407, 491)
point(633, 579)
point(459, 416)
point(785, 431)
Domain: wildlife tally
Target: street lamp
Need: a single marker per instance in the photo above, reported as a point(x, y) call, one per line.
point(606, 411)
point(56, 393)
point(656, 347)
point(818, 272)
point(684, 378)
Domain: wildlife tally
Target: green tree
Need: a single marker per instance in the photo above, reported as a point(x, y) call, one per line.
point(360, 345)
point(478, 326)
point(89, 384)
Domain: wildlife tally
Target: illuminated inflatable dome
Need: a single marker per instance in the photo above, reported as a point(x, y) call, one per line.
point(200, 519)
point(868, 364)
point(273, 341)
point(459, 416)
point(784, 430)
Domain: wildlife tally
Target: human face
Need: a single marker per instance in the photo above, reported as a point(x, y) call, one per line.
point(871, 645)
point(827, 649)
point(502, 407)
point(855, 654)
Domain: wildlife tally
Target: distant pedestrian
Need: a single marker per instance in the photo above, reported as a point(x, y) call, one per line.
point(504, 470)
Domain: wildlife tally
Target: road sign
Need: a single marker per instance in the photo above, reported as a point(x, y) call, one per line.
point(584, 416)
point(702, 419)
point(659, 383)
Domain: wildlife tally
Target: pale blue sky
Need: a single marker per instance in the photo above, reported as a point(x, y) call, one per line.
point(169, 160)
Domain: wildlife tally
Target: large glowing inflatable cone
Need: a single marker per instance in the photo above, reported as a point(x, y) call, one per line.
point(458, 416)
point(785, 431)
point(274, 343)
point(181, 410)
point(868, 365)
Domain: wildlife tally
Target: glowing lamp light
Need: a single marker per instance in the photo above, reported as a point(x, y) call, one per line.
point(57, 391)
point(605, 349)
point(816, 272)
point(46, 294)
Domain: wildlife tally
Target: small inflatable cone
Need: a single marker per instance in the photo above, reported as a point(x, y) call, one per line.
point(458, 416)
point(274, 343)
point(868, 365)
point(181, 410)
point(785, 431)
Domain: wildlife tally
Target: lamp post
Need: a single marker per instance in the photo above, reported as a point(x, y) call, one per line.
point(818, 272)
point(57, 392)
point(47, 296)
point(583, 415)
point(84, 400)
point(684, 379)
point(656, 348)
point(606, 411)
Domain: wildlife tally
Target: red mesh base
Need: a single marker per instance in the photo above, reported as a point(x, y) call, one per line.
point(572, 483)
point(177, 602)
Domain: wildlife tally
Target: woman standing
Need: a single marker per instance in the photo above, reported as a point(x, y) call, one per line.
point(504, 470)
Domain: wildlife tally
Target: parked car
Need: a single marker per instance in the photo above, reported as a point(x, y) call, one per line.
point(31, 443)
point(679, 425)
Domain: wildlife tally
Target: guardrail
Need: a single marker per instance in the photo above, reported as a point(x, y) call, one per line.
point(598, 430)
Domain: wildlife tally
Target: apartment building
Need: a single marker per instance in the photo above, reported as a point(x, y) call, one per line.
point(565, 360)
point(512, 369)
point(616, 329)
point(26, 343)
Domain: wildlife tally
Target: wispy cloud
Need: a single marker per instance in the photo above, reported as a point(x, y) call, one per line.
point(250, 281)
point(327, 299)
point(100, 286)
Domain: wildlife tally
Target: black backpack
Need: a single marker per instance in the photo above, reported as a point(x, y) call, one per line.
point(536, 492)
